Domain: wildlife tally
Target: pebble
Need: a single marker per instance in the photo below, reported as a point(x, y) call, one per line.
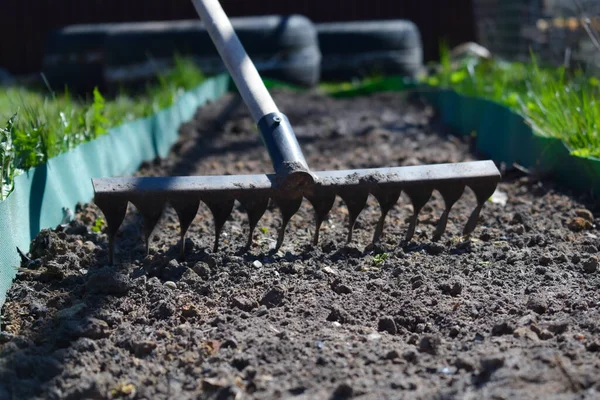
point(340, 288)
point(538, 305)
point(590, 265)
point(464, 363)
point(391, 355)
point(273, 297)
point(329, 270)
point(585, 214)
point(387, 324)
point(429, 344)
point(257, 264)
point(339, 315)
point(545, 260)
point(503, 328)
point(262, 310)
point(578, 224)
point(343, 391)
point(171, 285)
point(410, 356)
point(90, 246)
point(243, 303)
point(525, 333)
point(491, 363)
point(230, 343)
point(451, 288)
point(143, 347)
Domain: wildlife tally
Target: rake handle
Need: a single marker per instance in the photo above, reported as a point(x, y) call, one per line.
point(276, 132)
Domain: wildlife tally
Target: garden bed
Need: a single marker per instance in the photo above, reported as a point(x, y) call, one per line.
point(511, 314)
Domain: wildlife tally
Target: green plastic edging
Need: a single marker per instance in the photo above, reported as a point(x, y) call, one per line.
point(41, 193)
point(501, 134)
point(505, 137)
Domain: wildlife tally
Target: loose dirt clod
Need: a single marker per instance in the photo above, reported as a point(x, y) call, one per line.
point(87, 330)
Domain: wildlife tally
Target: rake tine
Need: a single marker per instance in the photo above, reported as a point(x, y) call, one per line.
point(186, 212)
point(255, 208)
point(356, 200)
point(151, 210)
point(483, 191)
point(450, 194)
point(289, 207)
point(322, 204)
point(221, 209)
point(419, 196)
point(386, 198)
point(114, 211)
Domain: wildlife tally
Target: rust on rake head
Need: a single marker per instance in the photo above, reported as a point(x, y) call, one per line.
point(151, 194)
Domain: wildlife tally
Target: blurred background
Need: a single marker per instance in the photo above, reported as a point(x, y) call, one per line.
point(509, 28)
point(24, 24)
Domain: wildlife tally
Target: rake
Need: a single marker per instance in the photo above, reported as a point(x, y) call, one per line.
point(292, 179)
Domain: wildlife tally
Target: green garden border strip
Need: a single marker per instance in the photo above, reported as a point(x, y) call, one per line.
point(504, 136)
point(40, 193)
point(501, 134)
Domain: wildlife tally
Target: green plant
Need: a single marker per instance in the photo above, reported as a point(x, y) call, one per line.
point(555, 103)
point(380, 258)
point(7, 157)
point(43, 124)
point(99, 224)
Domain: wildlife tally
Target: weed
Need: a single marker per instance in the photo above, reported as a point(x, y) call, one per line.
point(553, 102)
point(264, 229)
point(42, 125)
point(380, 258)
point(99, 224)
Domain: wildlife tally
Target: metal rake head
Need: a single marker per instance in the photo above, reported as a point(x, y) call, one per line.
point(151, 194)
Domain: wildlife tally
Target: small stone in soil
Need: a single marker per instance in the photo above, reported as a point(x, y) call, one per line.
point(343, 391)
point(578, 224)
point(257, 264)
point(585, 214)
point(590, 265)
point(387, 324)
point(429, 344)
point(537, 305)
point(503, 328)
point(464, 363)
point(202, 269)
point(163, 310)
point(171, 285)
point(451, 288)
point(545, 260)
point(273, 297)
point(339, 315)
point(558, 327)
point(243, 303)
point(391, 355)
point(340, 288)
point(142, 348)
point(230, 343)
point(410, 356)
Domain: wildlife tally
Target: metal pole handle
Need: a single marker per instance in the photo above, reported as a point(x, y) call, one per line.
point(275, 129)
point(240, 66)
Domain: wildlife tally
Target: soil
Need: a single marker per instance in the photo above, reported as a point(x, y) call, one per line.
point(511, 313)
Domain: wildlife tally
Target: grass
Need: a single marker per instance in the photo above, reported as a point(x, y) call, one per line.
point(555, 102)
point(42, 124)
